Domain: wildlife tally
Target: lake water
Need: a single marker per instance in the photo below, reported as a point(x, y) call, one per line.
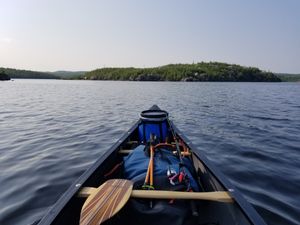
point(51, 131)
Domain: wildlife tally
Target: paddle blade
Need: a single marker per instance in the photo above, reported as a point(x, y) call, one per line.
point(105, 201)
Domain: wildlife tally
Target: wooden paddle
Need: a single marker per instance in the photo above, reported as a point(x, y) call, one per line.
point(105, 201)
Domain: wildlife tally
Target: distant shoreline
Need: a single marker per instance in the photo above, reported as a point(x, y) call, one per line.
point(199, 72)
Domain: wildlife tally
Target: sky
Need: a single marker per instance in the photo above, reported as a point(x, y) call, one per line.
point(51, 35)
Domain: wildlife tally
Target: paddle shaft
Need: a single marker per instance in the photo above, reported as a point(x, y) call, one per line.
point(220, 196)
point(149, 175)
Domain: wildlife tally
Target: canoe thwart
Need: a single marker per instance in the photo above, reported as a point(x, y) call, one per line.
point(128, 151)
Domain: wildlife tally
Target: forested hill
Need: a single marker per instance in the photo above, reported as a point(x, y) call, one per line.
point(212, 71)
point(14, 73)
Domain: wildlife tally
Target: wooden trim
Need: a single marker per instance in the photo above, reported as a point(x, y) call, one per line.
point(125, 151)
point(132, 142)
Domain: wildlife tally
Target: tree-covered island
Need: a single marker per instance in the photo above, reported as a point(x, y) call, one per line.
point(212, 71)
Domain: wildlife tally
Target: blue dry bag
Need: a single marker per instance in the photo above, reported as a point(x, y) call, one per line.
point(153, 122)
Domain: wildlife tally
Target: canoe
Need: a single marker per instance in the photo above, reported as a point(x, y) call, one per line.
point(199, 193)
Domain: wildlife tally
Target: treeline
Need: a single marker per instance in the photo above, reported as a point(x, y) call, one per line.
point(212, 71)
point(68, 74)
point(289, 77)
point(14, 73)
point(4, 76)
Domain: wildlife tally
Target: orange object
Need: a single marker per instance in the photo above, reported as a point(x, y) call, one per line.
point(152, 164)
point(149, 175)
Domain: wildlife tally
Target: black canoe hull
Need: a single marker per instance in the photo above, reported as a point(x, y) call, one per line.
point(67, 209)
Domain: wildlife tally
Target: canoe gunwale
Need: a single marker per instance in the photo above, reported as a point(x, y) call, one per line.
point(243, 204)
point(54, 210)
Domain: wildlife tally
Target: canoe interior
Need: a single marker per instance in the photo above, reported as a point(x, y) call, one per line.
point(67, 209)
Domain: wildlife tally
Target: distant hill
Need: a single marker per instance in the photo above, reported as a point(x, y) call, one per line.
point(68, 74)
point(212, 71)
point(288, 77)
point(14, 73)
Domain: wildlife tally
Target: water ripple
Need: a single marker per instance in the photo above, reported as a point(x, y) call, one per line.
point(52, 131)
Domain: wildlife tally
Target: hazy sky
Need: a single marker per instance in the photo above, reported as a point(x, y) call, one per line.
point(49, 35)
